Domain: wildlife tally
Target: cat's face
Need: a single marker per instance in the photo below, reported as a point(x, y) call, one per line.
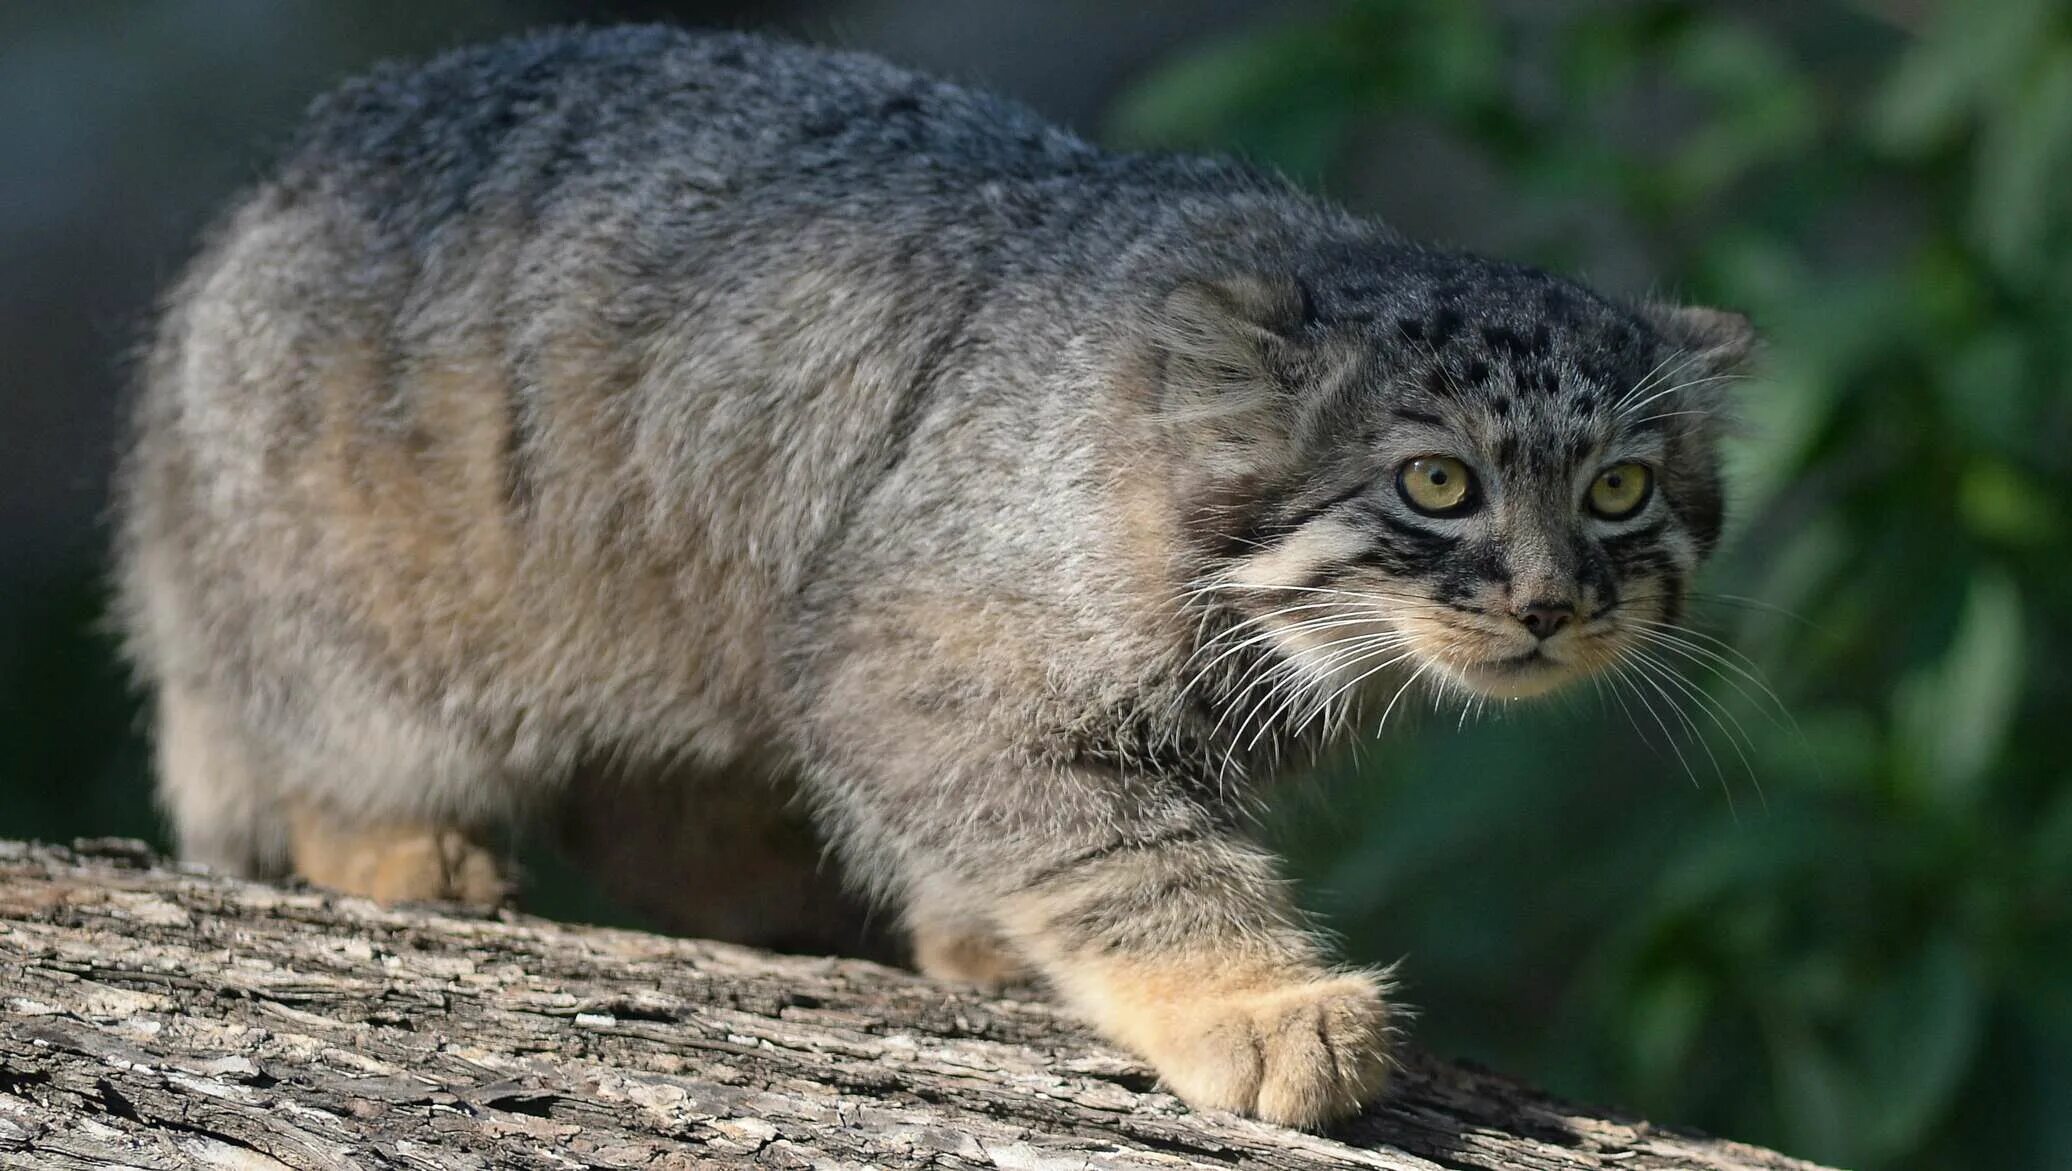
point(1477, 474)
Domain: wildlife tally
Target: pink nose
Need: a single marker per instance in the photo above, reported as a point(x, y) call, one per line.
point(1544, 618)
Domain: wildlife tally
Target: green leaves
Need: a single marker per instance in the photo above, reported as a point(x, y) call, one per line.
point(2025, 169)
point(1953, 716)
point(1763, 109)
point(1995, 77)
point(1914, 1041)
point(1945, 79)
point(1288, 95)
point(1261, 96)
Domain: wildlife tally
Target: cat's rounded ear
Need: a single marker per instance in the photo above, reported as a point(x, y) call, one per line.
point(1226, 349)
point(1224, 340)
point(1721, 341)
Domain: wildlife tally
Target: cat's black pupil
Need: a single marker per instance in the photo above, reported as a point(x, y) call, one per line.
point(1612, 482)
point(1438, 477)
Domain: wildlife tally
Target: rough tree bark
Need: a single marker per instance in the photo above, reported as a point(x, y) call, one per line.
point(152, 1016)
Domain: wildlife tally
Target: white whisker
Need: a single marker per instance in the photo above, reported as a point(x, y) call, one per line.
point(1681, 386)
point(1621, 675)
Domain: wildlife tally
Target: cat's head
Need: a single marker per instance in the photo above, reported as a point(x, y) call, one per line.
point(1406, 461)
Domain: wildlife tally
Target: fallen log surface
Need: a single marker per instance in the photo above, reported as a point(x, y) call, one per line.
point(156, 1016)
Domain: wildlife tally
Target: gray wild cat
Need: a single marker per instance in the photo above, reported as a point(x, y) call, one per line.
point(600, 415)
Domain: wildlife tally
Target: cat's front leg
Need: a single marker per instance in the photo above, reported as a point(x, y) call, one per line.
point(1184, 949)
point(1131, 894)
point(1175, 938)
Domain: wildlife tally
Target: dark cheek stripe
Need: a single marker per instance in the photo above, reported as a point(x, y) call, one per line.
point(1672, 596)
point(1473, 570)
point(1621, 545)
point(1649, 560)
point(1311, 512)
point(1413, 539)
point(1702, 513)
point(1401, 549)
point(1595, 578)
point(1239, 521)
point(1640, 554)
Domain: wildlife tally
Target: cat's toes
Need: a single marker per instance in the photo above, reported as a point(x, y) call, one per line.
point(1303, 1053)
point(1324, 1048)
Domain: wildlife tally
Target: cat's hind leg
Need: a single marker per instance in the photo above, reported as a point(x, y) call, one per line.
point(353, 817)
point(215, 786)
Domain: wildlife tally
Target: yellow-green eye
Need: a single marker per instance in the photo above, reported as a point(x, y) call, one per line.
point(1437, 485)
point(1619, 491)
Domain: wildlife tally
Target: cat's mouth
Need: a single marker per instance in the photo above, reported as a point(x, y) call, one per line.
point(1517, 676)
point(1500, 668)
point(1515, 663)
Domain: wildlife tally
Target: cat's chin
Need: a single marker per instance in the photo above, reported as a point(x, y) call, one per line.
point(1518, 677)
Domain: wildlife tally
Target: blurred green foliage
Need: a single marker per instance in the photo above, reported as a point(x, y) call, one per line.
point(1868, 961)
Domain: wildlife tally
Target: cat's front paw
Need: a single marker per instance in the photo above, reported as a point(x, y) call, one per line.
point(1298, 1050)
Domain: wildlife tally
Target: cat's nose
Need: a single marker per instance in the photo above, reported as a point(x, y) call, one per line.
point(1544, 618)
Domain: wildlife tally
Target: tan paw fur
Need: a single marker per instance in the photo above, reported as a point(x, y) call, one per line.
point(398, 864)
point(966, 956)
point(1298, 1048)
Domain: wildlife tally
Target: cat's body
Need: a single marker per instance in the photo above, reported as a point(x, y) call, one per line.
point(640, 408)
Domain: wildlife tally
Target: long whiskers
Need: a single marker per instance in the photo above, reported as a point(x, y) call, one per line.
point(1721, 657)
point(1687, 384)
point(1657, 648)
point(1746, 603)
point(1297, 670)
point(1706, 705)
point(1662, 372)
point(1354, 658)
point(1363, 615)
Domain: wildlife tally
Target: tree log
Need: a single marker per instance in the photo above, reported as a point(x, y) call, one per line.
point(157, 1016)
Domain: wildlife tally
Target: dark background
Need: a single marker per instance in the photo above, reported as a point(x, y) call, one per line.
point(1810, 885)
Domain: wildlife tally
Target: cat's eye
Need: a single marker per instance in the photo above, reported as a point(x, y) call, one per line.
point(1437, 485)
point(1619, 491)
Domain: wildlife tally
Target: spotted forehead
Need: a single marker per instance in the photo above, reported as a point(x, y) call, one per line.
point(1575, 366)
point(1490, 327)
point(1562, 377)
